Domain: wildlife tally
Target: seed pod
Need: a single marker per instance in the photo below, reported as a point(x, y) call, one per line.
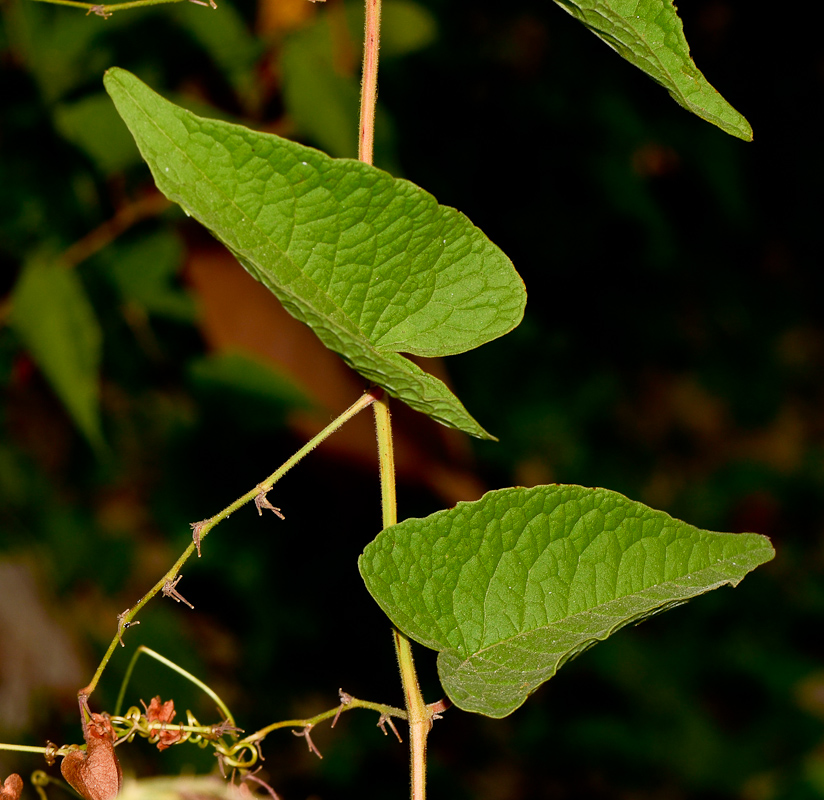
point(95, 774)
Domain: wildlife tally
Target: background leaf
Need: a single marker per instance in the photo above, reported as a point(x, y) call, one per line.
point(650, 35)
point(320, 63)
point(512, 586)
point(373, 264)
point(227, 39)
point(57, 324)
point(143, 272)
point(93, 125)
point(245, 390)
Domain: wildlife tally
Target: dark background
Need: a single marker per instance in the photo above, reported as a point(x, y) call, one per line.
point(673, 350)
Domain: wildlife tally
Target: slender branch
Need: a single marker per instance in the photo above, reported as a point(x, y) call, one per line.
point(201, 529)
point(130, 214)
point(349, 704)
point(205, 688)
point(26, 748)
point(386, 460)
point(369, 80)
point(150, 205)
point(109, 8)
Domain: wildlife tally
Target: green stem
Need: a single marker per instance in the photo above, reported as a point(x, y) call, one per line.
point(417, 712)
point(350, 704)
point(126, 619)
point(106, 10)
point(25, 748)
point(222, 707)
point(386, 460)
point(420, 717)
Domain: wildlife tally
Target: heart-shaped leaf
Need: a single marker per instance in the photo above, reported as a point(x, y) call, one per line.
point(512, 586)
point(649, 34)
point(372, 263)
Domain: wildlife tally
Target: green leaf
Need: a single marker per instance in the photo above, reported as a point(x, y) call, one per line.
point(54, 319)
point(65, 52)
point(227, 39)
point(322, 100)
point(372, 263)
point(93, 125)
point(246, 389)
point(144, 271)
point(321, 80)
point(512, 586)
point(649, 34)
point(406, 26)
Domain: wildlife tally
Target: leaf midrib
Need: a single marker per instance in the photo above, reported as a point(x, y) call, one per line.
point(663, 69)
point(701, 589)
point(650, 49)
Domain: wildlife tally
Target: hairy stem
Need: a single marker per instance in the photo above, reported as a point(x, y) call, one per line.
point(369, 80)
point(350, 704)
point(127, 618)
point(418, 714)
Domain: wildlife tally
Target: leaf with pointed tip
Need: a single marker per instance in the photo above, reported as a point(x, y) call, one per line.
point(510, 587)
point(649, 34)
point(372, 263)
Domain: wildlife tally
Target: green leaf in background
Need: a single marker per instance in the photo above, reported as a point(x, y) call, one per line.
point(93, 125)
point(512, 586)
point(144, 271)
point(372, 263)
point(405, 26)
point(65, 52)
point(227, 39)
point(320, 66)
point(321, 99)
point(246, 389)
point(649, 34)
point(55, 321)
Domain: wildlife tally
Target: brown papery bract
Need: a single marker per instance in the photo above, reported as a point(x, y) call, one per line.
point(95, 774)
point(12, 787)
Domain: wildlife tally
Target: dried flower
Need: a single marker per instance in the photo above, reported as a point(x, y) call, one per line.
point(165, 713)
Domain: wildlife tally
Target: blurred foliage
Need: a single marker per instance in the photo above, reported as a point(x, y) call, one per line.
point(699, 389)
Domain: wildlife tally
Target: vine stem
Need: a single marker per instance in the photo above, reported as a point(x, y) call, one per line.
point(369, 80)
point(310, 722)
point(419, 715)
point(106, 10)
point(126, 619)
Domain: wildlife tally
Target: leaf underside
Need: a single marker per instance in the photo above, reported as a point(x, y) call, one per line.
point(510, 587)
point(372, 263)
point(649, 34)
